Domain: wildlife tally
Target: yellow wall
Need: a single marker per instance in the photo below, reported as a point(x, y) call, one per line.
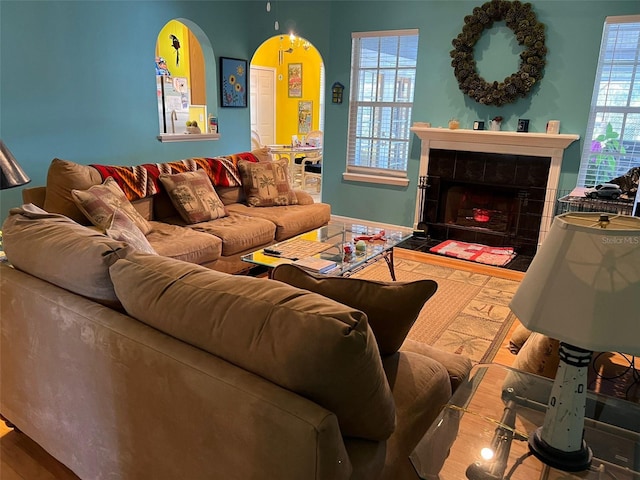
point(287, 108)
point(164, 48)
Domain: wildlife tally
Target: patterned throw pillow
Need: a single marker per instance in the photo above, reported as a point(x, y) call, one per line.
point(266, 184)
point(123, 229)
point(100, 202)
point(193, 196)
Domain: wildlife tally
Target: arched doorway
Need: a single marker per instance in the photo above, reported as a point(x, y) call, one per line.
point(287, 84)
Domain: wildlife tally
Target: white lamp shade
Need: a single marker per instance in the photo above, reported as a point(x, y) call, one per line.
point(583, 285)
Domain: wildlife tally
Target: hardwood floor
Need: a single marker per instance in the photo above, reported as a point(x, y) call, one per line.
point(23, 459)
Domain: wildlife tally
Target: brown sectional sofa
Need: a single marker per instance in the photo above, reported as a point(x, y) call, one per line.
point(127, 365)
point(217, 244)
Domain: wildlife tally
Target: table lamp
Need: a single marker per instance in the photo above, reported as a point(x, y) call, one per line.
point(11, 174)
point(582, 288)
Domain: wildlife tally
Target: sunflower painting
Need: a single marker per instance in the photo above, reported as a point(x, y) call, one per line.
point(233, 82)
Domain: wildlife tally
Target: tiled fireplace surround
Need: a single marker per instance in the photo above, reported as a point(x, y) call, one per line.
point(495, 188)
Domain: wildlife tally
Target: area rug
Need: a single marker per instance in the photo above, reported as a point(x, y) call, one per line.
point(497, 256)
point(469, 313)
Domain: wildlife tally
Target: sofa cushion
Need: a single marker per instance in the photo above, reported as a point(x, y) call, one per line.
point(239, 233)
point(290, 220)
point(69, 255)
point(62, 177)
point(184, 243)
point(230, 195)
point(193, 196)
point(319, 348)
point(391, 307)
point(122, 228)
point(99, 202)
point(267, 183)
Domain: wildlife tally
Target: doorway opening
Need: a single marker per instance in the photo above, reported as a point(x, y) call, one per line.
point(286, 93)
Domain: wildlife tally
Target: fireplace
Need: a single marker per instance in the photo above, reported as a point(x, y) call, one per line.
point(488, 198)
point(494, 188)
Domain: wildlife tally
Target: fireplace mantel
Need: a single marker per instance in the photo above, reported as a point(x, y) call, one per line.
point(489, 137)
point(511, 143)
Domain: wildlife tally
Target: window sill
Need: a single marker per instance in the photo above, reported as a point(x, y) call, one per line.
point(360, 177)
point(187, 137)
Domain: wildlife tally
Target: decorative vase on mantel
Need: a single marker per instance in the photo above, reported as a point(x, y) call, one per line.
point(494, 124)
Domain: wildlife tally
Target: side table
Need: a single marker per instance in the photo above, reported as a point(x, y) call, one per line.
point(494, 412)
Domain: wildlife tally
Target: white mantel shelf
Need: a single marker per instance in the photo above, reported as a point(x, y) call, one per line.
point(187, 137)
point(508, 143)
point(538, 140)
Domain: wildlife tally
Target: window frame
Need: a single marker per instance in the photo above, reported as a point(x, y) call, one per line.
point(604, 109)
point(370, 174)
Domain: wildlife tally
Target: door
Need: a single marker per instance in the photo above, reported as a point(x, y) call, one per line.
point(262, 95)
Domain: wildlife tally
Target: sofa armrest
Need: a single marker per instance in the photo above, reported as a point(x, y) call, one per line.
point(34, 195)
point(458, 366)
point(420, 387)
point(303, 197)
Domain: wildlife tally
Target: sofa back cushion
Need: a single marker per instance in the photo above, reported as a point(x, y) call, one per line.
point(54, 248)
point(306, 343)
point(62, 177)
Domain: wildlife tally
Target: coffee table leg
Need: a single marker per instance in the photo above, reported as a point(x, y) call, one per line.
point(388, 257)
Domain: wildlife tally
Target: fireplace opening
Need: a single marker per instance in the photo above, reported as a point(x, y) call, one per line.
point(482, 208)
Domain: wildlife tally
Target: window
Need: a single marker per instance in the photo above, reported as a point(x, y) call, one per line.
point(612, 142)
point(383, 77)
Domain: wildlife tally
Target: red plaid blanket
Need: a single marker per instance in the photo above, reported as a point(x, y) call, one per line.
point(142, 180)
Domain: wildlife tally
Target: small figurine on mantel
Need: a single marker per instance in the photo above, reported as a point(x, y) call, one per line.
point(495, 123)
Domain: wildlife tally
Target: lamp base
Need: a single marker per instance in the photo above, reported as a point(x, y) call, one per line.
point(576, 461)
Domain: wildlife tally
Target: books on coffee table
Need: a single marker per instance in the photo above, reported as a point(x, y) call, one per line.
point(318, 265)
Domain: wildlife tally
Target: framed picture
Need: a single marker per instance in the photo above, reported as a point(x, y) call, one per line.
point(233, 82)
point(305, 115)
point(294, 80)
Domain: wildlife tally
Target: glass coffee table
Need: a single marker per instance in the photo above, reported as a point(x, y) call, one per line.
point(494, 412)
point(328, 243)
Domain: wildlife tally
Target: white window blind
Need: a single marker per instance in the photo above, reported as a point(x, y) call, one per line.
point(383, 74)
point(612, 141)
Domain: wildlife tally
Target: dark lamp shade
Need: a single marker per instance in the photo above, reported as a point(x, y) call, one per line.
point(583, 284)
point(11, 174)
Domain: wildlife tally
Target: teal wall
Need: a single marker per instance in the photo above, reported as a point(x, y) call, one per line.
point(76, 80)
point(574, 30)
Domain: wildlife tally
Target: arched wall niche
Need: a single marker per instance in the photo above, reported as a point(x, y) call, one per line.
point(203, 101)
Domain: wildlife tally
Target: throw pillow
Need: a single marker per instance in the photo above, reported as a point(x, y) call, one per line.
point(123, 229)
point(193, 196)
point(267, 184)
point(100, 202)
point(391, 307)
